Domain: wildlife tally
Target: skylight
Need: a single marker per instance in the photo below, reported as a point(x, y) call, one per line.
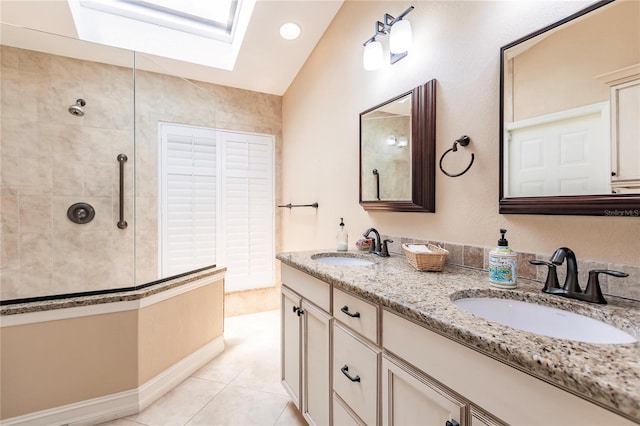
point(203, 32)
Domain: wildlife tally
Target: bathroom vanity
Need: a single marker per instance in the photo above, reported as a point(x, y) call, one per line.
point(385, 344)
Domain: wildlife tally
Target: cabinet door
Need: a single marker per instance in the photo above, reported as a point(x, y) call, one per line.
point(411, 398)
point(625, 102)
point(481, 418)
point(290, 340)
point(315, 364)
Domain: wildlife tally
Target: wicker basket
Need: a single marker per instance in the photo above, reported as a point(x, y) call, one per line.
point(433, 261)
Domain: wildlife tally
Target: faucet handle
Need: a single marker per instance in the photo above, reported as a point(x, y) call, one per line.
point(384, 250)
point(551, 285)
point(593, 291)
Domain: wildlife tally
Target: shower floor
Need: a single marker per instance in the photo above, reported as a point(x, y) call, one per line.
point(239, 387)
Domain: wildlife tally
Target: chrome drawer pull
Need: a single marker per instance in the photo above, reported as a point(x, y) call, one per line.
point(345, 309)
point(345, 371)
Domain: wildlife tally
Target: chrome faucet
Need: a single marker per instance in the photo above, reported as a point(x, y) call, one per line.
point(571, 289)
point(377, 247)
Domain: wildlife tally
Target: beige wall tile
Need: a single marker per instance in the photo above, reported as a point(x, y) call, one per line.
point(35, 213)
point(51, 160)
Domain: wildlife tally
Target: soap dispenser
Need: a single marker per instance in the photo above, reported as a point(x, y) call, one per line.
point(503, 264)
point(342, 239)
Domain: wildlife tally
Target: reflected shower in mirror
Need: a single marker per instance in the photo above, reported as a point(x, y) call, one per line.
point(570, 116)
point(386, 151)
point(397, 153)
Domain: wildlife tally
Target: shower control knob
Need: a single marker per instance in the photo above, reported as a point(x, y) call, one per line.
point(81, 213)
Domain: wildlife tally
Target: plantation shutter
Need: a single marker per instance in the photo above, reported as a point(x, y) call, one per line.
point(189, 198)
point(217, 204)
point(248, 206)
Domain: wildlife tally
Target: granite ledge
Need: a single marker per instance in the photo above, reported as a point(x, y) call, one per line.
point(124, 296)
point(608, 375)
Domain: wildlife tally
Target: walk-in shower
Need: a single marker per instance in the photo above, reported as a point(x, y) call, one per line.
point(76, 109)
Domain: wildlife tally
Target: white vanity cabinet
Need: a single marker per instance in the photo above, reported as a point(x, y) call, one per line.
point(348, 361)
point(624, 86)
point(409, 397)
point(306, 332)
point(508, 394)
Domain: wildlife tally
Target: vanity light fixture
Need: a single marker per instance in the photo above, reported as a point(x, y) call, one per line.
point(400, 36)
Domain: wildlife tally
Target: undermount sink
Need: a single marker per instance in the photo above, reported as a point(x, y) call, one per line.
point(341, 259)
point(544, 320)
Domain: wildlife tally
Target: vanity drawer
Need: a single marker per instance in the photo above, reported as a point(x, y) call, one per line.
point(342, 416)
point(311, 288)
point(355, 373)
point(360, 316)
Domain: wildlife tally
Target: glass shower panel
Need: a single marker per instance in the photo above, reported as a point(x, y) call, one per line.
point(67, 114)
point(163, 95)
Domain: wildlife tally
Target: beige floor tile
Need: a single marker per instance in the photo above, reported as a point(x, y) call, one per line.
point(240, 387)
point(239, 406)
point(262, 373)
point(120, 422)
point(179, 404)
point(291, 417)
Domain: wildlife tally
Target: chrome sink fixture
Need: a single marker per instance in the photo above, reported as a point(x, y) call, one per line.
point(342, 259)
point(544, 320)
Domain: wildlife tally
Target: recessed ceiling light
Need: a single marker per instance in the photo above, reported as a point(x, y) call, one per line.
point(290, 31)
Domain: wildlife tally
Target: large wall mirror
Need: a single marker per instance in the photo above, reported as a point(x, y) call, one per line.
point(570, 115)
point(397, 153)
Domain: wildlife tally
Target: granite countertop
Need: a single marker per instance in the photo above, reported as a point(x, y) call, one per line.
point(608, 375)
point(87, 299)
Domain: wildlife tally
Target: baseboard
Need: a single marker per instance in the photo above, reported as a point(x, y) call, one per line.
point(126, 403)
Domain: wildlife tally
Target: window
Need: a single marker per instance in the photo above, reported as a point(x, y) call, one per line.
point(213, 29)
point(217, 204)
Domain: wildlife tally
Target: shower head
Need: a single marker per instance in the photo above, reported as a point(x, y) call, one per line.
point(76, 109)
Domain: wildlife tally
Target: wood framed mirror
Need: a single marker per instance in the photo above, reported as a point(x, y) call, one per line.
point(570, 116)
point(397, 153)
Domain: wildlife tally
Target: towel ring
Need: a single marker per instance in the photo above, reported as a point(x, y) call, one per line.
point(463, 141)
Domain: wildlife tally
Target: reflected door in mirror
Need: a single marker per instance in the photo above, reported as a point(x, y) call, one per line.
point(570, 115)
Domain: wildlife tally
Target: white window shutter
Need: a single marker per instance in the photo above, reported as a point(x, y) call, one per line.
point(217, 204)
point(188, 198)
point(248, 210)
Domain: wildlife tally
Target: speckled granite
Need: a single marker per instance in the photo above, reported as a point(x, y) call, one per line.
point(74, 302)
point(608, 375)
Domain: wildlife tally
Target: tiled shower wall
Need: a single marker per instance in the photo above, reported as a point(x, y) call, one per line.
point(478, 258)
point(51, 159)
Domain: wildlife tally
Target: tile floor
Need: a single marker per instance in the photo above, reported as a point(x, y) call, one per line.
point(239, 387)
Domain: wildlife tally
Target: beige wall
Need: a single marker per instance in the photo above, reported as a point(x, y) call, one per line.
point(51, 159)
point(170, 330)
point(457, 43)
point(49, 364)
point(560, 72)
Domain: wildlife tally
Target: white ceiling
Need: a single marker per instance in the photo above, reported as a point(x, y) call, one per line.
point(266, 63)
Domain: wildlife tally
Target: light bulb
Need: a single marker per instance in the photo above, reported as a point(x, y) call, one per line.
point(372, 58)
point(400, 37)
point(391, 140)
point(402, 142)
point(290, 31)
